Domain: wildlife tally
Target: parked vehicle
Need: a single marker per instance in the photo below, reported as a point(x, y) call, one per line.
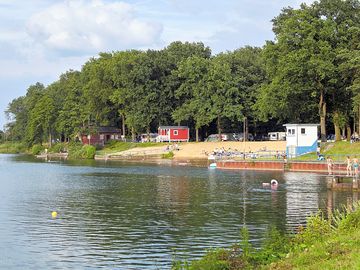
point(224, 137)
point(277, 136)
point(261, 137)
point(151, 137)
point(240, 137)
point(212, 138)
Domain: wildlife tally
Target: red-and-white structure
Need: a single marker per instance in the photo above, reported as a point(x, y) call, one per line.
point(173, 134)
point(102, 135)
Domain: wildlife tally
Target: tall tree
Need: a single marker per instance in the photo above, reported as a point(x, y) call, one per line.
point(302, 63)
point(196, 104)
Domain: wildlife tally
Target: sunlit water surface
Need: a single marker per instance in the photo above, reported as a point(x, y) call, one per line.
point(139, 216)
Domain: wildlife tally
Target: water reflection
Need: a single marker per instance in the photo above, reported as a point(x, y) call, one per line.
point(134, 216)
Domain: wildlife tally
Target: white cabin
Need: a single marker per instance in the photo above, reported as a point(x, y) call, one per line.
point(301, 139)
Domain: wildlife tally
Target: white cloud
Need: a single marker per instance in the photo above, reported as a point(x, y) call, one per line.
point(79, 26)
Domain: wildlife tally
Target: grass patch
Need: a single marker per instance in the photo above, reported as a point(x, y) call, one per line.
point(168, 155)
point(12, 148)
point(116, 146)
point(337, 150)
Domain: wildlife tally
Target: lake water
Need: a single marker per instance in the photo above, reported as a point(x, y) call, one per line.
point(137, 216)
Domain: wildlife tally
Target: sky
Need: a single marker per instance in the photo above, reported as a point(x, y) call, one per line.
point(41, 39)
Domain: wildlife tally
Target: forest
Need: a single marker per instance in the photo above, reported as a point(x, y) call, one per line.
point(309, 73)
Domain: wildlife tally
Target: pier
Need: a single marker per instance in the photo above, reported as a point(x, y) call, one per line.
point(343, 182)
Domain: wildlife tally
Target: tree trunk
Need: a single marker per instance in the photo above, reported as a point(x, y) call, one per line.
point(322, 113)
point(197, 134)
point(148, 134)
point(337, 127)
point(348, 132)
point(133, 134)
point(50, 139)
point(219, 127)
point(123, 125)
point(358, 120)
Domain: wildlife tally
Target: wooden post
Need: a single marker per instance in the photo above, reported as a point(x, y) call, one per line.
point(355, 183)
point(329, 182)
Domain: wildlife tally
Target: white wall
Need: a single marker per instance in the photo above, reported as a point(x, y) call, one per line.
point(299, 139)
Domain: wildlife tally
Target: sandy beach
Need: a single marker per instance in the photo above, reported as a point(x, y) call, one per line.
point(200, 150)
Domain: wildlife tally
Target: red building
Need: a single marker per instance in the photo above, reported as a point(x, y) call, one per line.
point(102, 135)
point(173, 134)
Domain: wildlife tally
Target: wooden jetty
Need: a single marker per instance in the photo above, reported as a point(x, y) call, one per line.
point(343, 182)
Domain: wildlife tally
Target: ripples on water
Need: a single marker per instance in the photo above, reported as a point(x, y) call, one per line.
point(137, 216)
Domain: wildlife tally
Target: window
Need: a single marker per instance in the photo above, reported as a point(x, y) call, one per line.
point(101, 136)
point(291, 131)
point(302, 130)
point(176, 132)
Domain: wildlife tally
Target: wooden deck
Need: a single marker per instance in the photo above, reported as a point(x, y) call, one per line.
point(343, 182)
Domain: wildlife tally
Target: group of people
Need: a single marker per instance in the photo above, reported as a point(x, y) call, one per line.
point(354, 137)
point(352, 166)
point(172, 147)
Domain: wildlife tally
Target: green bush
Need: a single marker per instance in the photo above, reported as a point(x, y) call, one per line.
point(79, 151)
point(168, 155)
point(88, 152)
point(317, 228)
point(58, 148)
point(37, 149)
point(12, 148)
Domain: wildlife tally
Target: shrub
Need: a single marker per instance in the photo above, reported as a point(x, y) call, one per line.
point(12, 148)
point(37, 149)
point(168, 155)
point(79, 151)
point(58, 148)
point(349, 219)
point(88, 152)
point(317, 229)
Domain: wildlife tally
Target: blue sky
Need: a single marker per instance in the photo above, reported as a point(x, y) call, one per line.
point(40, 39)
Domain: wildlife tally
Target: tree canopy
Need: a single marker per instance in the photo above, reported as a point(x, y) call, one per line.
point(310, 73)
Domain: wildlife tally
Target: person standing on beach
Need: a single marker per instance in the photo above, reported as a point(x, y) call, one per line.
point(349, 165)
point(330, 165)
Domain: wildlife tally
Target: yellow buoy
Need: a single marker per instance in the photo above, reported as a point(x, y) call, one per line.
point(54, 214)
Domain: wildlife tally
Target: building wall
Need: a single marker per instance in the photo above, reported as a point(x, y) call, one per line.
point(182, 134)
point(299, 139)
point(100, 138)
point(300, 150)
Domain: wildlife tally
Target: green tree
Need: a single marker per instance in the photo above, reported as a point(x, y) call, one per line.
point(196, 103)
point(302, 64)
point(41, 121)
point(226, 99)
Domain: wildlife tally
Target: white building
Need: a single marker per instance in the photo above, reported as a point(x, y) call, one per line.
point(301, 139)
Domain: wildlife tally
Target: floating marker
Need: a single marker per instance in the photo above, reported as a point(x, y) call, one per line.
point(213, 165)
point(54, 214)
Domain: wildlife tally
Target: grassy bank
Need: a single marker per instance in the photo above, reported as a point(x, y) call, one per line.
point(12, 148)
point(337, 150)
point(332, 243)
point(115, 146)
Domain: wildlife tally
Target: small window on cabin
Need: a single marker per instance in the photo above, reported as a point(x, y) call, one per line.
point(176, 132)
point(302, 130)
point(101, 136)
point(289, 131)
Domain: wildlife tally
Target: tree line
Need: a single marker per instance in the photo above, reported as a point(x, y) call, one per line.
point(310, 73)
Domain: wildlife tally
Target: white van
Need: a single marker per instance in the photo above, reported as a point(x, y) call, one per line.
point(277, 136)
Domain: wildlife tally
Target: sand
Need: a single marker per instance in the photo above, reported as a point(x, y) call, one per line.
point(193, 150)
point(201, 149)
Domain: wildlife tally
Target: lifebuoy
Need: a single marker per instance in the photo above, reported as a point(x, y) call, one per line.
point(274, 182)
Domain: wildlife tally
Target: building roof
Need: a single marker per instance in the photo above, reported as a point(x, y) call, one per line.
point(301, 125)
point(173, 127)
point(108, 130)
